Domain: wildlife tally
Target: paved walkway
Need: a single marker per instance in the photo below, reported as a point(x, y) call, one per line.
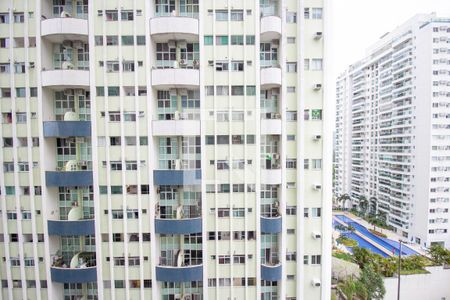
point(390, 234)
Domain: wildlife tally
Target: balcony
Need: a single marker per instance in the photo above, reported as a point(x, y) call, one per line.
point(175, 78)
point(177, 177)
point(271, 125)
point(175, 127)
point(82, 269)
point(270, 77)
point(67, 129)
point(71, 227)
point(271, 273)
point(58, 29)
point(68, 178)
point(174, 28)
point(271, 225)
point(270, 28)
point(179, 274)
point(65, 78)
point(178, 226)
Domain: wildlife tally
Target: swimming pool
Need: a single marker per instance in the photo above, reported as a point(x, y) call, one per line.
point(387, 244)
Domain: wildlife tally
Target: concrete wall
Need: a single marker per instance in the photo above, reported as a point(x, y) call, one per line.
point(435, 285)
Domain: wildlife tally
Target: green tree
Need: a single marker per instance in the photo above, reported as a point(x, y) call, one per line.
point(373, 283)
point(439, 254)
point(348, 288)
point(373, 206)
point(362, 256)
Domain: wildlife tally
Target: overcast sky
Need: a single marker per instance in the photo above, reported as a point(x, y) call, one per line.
point(357, 24)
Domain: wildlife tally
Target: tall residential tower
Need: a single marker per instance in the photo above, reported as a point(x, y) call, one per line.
point(164, 149)
point(393, 130)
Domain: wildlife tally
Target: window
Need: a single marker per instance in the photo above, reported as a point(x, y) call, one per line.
point(140, 40)
point(316, 64)
point(113, 91)
point(238, 188)
point(237, 90)
point(237, 40)
point(250, 40)
point(222, 90)
point(316, 212)
point(237, 116)
point(98, 40)
point(290, 137)
point(237, 65)
point(250, 90)
point(237, 15)
point(316, 259)
point(8, 167)
point(19, 18)
point(4, 18)
point(21, 118)
point(111, 15)
point(306, 64)
point(20, 92)
point(291, 67)
point(221, 40)
point(223, 140)
point(112, 40)
point(317, 13)
point(223, 188)
point(208, 40)
point(291, 40)
point(223, 165)
point(316, 164)
point(221, 15)
point(223, 212)
point(238, 212)
point(291, 210)
point(291, 116)
point(316, 114)
point(291, 256)
point(291, 163)
point(306, 13)
point(291, 17)
point(126, 15)
point(222, 66)
point(223, 116)
point(127, 40)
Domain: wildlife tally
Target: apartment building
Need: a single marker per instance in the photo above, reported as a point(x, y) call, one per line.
point(164, 149)
point(393, 110)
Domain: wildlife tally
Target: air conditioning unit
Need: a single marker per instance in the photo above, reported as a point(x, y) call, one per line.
point(68, 92)
point(196, 63)
point(31, 65)
point(65, 14)
point(183, 92)
point(178, 296)
point(67, 65)
point(67, 44)
point(276, 156)
point(276, 116)
point(318, 35)
point(141, 114)
point(316, 235)
point(315, 282)
point(177, 115)
point(172, 43)
point(182, 62)
point(317, 86)
point(317, 137)
point(79, 91)
point(174, 13)
point(211, 63)
point(79, 140)
point(317, 187)
point(78, 45)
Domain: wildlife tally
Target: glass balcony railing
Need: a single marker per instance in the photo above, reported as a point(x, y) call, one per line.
point(181, 8)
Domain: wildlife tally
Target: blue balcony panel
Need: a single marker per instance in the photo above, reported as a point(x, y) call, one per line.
point(81, 275)
point(179, 274)
point(68, 178)
point(271, 273)
point(271, 225)
point(177, 177)
point(178, 226)
point(81, 227)
point(67, 128)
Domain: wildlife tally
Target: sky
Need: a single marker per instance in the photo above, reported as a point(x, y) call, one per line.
point(357, 24)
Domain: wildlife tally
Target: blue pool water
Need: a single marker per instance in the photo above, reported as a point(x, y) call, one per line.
point(362, 243)
point(388, 244)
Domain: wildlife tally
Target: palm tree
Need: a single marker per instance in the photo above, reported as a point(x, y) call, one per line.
point(363, 204)
point(342, 199)
point(348, 288)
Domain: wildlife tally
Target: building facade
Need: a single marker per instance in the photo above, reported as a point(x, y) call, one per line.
point(164, 149)
point(393, 109)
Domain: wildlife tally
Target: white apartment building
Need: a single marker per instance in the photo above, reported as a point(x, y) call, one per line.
point(164, 149)
point(393, 130)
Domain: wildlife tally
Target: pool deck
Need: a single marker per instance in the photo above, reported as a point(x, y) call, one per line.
point(390, 235)
point(381, 248)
